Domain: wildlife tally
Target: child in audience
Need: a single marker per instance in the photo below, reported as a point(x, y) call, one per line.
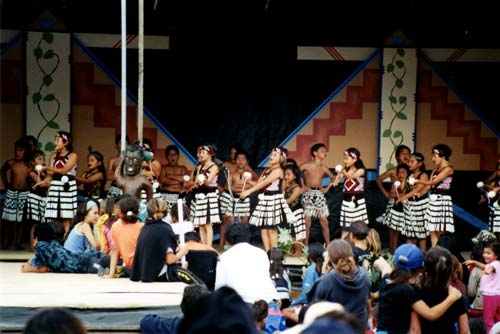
point(279, 276)
point(81, 235)
point(313, 272)
point(397, 296)
point(490, 283)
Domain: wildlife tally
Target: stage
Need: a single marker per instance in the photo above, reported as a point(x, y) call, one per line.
point(104, 305)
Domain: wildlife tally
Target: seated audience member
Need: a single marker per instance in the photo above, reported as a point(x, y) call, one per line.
point(311, 312)
point(155, 256)
point(54, 320)
point(50, 255)
point(245, 267)
point(260, 315)
point(358, 234)
point(155, 324)
point(221, 312)
point(202, 259)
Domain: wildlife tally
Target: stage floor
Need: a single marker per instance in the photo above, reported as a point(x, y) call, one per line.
point(103, 304)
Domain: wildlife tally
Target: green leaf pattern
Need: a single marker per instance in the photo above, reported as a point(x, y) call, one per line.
point(398, 103)
point(47, 61)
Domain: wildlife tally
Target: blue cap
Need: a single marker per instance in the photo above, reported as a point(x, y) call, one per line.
point(408, 257)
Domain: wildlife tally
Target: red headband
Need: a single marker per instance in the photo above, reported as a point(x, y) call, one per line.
point(63, 136)
point(351, 154)
point(210, 149)
point(438, 152)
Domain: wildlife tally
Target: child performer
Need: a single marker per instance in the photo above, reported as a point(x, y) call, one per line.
point(172, 176)
point(62, 197)
point(293, 196)
point(37, 197)
point(271, 210)
point(113, 164)
point(353, 206)
point(17, 193)
point(492, 183)
point(415, 203)
point(205, 204)
point(314, 199)
point(439, 214)
point(93, 179)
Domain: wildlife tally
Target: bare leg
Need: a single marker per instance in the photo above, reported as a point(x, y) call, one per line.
point(422, 243)
point(210, 233)
point(265, 239)
point(344, 234)
point(411, 241)
point(245, 219)
point(434, 237)
point(18, 235)
point(203, 234)
point(307, 220)
point(222, 239)
point(325, 231)
point(273, 237)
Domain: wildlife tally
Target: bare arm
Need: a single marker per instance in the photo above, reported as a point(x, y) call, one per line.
point(294, 195)
point(431, 314)
point(91, 179)
point(114, 254)
point(475, 263)
point(463, 324)
point(276, 173)
point(70, 164)
point(379, 181)
point(444, 173)
point(5, 167)
point(415, 324)
point(87, 231)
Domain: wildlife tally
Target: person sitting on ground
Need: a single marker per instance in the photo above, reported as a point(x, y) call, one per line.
point(259, 309)
point(155, 324)
point(50, 255)
point(357, 236)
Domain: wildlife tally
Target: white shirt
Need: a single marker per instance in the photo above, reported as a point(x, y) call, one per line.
point(245, 268)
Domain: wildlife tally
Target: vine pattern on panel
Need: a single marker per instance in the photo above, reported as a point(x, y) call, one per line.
point(396, 68)
point(47, 103)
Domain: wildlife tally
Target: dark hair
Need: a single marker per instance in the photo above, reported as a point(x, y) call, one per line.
point(171, 148)
point(259, 309)
point(401, 276)
point(477, 251)
point(401, 148)
point(31, 140)
point(358, 163)
point(494, 246)
point(403, 166)
point(54, 320)
point(237, 232)
point(37, 153)
point(191, 295)
point(174, 211)
point(101, 168)
point(359, 230)
point(315, 255)
point(68, 141)
point(44, 232)
point(276, 266)
point(438, 267)
point(129, 206)
point(316, 147)
point(296, 171)
point(290, 161)
point(81, 211)
point(147, 144)
point(118, 139)
point(192, 236)
point(443, 150)
point(420, 158)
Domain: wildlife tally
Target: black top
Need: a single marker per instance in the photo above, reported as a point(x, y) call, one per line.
point(155, 239)
point(395, 307)
point(446, 323)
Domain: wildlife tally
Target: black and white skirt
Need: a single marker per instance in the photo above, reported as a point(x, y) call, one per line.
point(14, 205)
point(271, 210)
point(61, 200)
point(439, 214)
point(414, 216)
point(353, 209)
point(205, 208)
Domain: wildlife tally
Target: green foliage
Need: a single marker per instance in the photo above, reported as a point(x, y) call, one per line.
point(49, 54)
point(401, 52)
point(48, 37)
point(49, 97)
point(47, 80)
point(402, 99)
point(387, 133)
point(53, 125)
point(390, 68)
point(399, 83)
point(375, 274)
point(49, 146)
point(401, 115)
point(400, 64)
point(397, 134)
point(392, 99)
point(389, 165)
point(37, 97)
point(38, 53)
point(286, 243)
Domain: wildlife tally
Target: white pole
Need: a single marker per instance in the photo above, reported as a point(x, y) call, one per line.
point(140, 104)
point(124, 77)
point(180, 216)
